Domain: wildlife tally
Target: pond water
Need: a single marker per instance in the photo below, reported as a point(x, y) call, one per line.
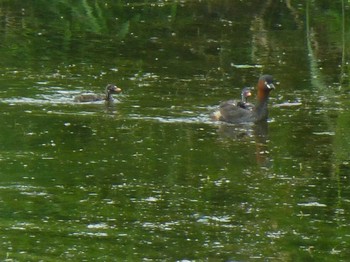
point(150, 176)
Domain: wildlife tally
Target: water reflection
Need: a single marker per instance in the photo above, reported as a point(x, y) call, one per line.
point(251, 133)
point(150, 177)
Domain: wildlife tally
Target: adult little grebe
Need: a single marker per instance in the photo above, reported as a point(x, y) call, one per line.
point(243, 103)
point(233, 113)
point(110, 89)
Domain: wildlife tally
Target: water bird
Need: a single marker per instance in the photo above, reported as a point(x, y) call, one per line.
point(234, 113)
point(246, 92)
point(110, 90)
point(243, 103)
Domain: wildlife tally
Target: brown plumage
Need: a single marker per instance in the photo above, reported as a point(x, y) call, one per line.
point(234, 113)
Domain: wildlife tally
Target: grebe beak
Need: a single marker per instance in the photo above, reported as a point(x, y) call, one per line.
point(270, 86)
point(116, 89)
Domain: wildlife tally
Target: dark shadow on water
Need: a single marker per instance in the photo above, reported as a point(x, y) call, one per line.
point(111, 108)
point(253, 132)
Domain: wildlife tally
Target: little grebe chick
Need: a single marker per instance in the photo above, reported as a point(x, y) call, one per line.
point(244, 99)
point(236, 113)
point(110, 89)
point(243, 103)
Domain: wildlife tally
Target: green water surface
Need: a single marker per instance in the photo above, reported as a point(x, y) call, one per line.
point(150, 177)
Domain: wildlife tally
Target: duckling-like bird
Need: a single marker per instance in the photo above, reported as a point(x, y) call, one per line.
point(243, 103)
point(246, 92)
point(110, 89)
point(234, 113)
